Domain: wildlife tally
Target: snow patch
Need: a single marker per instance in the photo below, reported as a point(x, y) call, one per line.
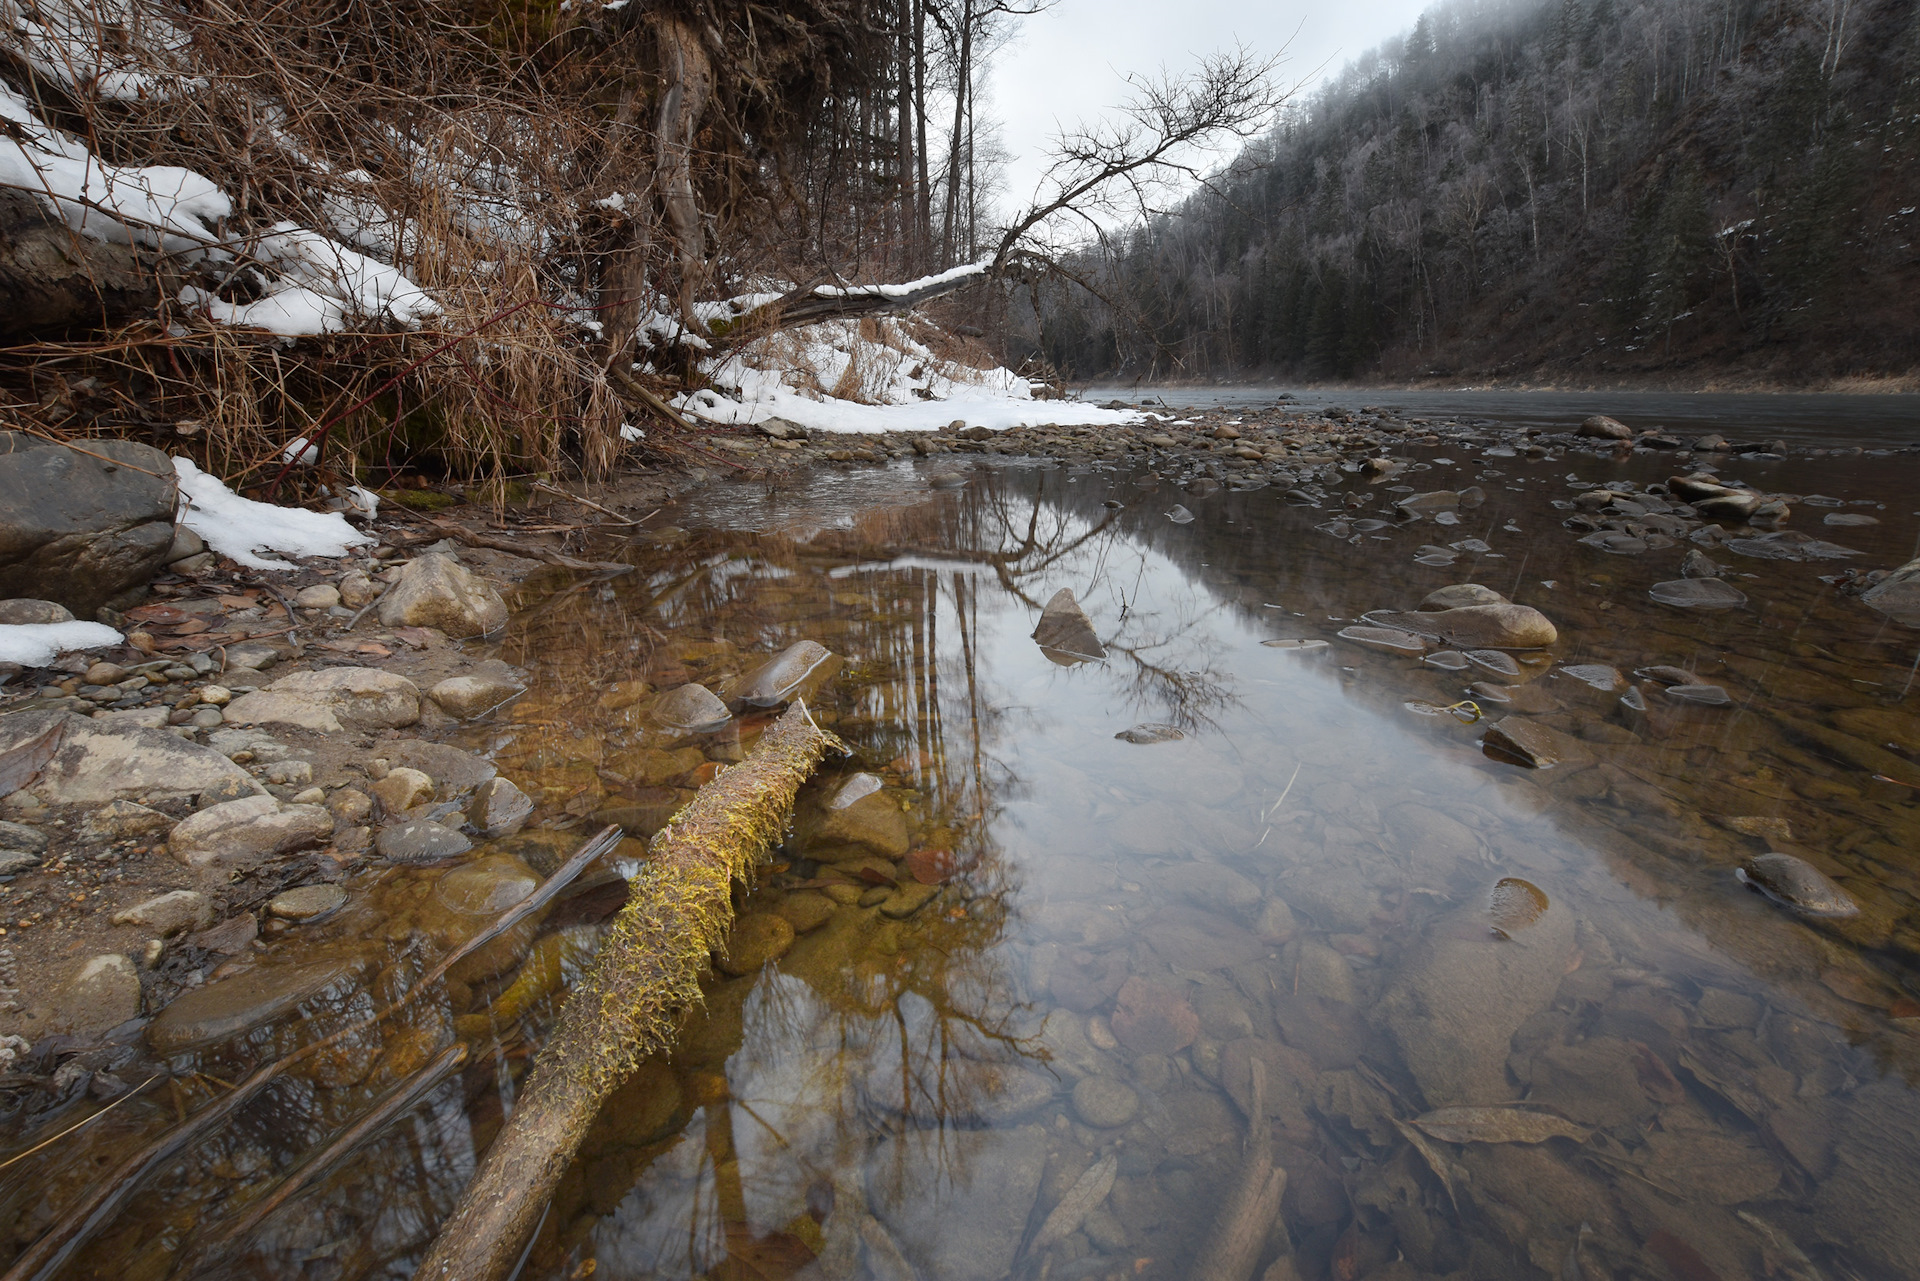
point(242, 528)
point(37, 644)
point(324, 287)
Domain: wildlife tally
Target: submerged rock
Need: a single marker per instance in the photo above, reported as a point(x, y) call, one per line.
point(786, 675)
point(1697, 564)
point(1065, 633)
point(1461, 996)
point(227, 1008)
point(689, 709)
point(499, 809)
point(1459, 595)
point(1698, 593)
point(1601, 427)
point(1151, 732)
point(1789, 544)
point(756, 940)
point(1390, 638)
point(1529, 743)
point(1797, 884)
point(1495, 626)
point(958, 1201)
point(1898, 595)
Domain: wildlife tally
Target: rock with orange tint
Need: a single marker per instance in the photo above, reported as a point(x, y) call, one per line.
point(1150, 1018)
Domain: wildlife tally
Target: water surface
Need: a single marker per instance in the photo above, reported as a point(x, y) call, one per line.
point(1039, 947)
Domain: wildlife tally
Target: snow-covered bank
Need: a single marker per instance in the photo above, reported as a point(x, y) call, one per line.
point(874, 376)
point(241, 528)
point(37, 644)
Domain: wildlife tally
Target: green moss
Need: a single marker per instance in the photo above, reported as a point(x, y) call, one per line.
point(424, 500)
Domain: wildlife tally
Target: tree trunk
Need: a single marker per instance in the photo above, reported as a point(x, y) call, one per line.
point(53, 280)
point(686, 76)
point(647, 974)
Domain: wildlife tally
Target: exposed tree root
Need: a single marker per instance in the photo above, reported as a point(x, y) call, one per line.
point(647, 975)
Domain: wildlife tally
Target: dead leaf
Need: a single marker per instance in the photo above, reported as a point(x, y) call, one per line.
point(1514, 905)
point(193, 627)
point(1498, 1125)
point(238, 602)
point(931, 866)
point(1655, 1077)
point(417, 637)
point(1681, 1259)
point(374, 649)
point(158, 614)
point(874, 876)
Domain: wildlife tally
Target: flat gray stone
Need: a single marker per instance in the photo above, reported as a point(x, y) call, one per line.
point(307, 903)
point(420, 841)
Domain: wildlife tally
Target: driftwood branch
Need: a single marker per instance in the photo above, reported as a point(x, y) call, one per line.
point(646, 977)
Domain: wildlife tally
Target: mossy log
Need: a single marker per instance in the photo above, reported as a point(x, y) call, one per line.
point(647, 974)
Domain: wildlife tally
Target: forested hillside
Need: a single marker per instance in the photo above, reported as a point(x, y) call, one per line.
point(1569, 188)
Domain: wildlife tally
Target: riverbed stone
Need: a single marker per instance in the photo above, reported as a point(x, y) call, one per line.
point(1457, 595)
point(1601, 427)
point(1898, 595)
point(79, 530)
point(1104, 1103)
point(436, 590)
point(331, 701)
point(499, 808)
point(96, 762)
point(306, 903)
point(873, 823)
point(235, 835)
point(1530, 743)
point(1463, 993)
point(319, 596)
point(806, 910)
point(21, 611)
point(100, 995)
point(267, 993)
point(756, 940)
point(168, 914)
point(401, 790)
point(420, 841)
point(1498, 626)
point(907, 898)
point(471, 696)
point(957, 1202)
point(19, 836)
point(1065, 633)
point(125, 821)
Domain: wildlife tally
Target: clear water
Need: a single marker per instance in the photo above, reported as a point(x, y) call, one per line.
point(1310, 877)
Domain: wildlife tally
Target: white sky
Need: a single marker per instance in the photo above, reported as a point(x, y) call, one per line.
point(1067, 64)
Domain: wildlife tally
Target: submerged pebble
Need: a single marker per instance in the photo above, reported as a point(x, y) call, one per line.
point(1797, 884)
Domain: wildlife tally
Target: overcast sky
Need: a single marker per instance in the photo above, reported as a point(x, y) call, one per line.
point(1068, 63)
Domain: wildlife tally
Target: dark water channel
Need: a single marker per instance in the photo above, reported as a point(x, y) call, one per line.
point(1042, 966)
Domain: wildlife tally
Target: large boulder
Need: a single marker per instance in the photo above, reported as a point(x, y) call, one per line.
point(331, 701)
point(235, 835)
point(1898, 594)
point(437, 591)
point(79, 530)
point(70, 760)
point(52, 281)
point(1465, 992)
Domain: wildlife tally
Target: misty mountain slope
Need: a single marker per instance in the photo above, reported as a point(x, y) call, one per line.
point(1583, 188)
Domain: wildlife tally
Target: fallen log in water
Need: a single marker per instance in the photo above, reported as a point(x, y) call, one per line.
point(678, 910)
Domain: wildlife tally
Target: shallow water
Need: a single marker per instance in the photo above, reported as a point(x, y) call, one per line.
point(1812, 419)
point(1321, 875)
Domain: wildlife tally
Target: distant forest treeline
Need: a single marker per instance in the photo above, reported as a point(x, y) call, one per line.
point(1587, 187)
